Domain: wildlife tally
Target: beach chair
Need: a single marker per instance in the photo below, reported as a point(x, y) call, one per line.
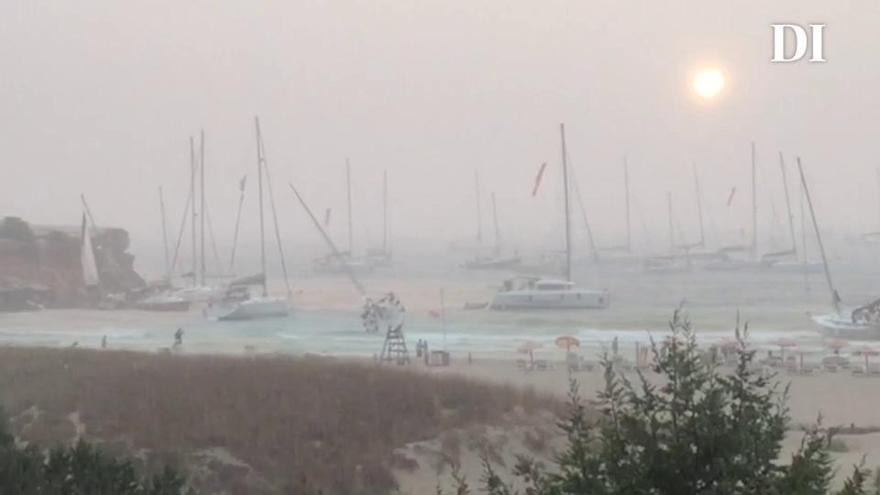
point(522, 364)
point(542, 365)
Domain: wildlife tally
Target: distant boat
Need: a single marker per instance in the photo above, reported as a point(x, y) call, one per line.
point(342, 262)
point(494, 261)
point(544, 293)
point(381, 257)
point(239, 301)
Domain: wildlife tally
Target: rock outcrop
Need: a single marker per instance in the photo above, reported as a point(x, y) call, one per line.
point(41, 265)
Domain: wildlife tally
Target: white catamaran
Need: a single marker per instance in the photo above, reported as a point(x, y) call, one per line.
point(239, 301)
point(542, 293)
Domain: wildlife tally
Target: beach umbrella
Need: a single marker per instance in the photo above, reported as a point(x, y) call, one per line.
point(836, 345)
point(528, 347)
point(567, 342)
point(867, 352)
point(783, 343)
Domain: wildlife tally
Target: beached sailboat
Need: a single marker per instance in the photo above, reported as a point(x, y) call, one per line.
point(860, 323)
point(239, 302)
point(543, 293)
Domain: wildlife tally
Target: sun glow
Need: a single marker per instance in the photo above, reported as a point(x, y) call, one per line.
point(708, 82)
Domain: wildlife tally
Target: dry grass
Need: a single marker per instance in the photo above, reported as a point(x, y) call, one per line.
point(332, 423)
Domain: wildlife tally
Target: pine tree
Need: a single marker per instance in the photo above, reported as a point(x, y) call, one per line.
point(691, 429)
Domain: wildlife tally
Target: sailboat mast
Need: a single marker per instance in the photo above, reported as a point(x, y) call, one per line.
point(241, 187)
point(192, 192)
point(754, 204)
point(260, 201)
point(626, 194)
point(345, 266)
point(479, 209)
point(699, 207)
point(495, 222)
point(204, 206)
point(566, 204)
point(164, 234)
point(835, 298)
point(348, 194)
point(878, 197)
point(385, 212)
point(788, 204)
point(671, 223)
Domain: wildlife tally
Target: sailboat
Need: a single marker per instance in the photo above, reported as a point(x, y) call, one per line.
point(382, 257)
point(495, 261)
point(860, 323)
point(741, 257)
point(674, 262)
point(788, 260)
point(543, 293)
point(238, 301)
point(198, 290)
point(341, 262)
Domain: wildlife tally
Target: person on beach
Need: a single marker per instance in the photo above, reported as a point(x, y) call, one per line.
point(104, 342)
point(178, 337)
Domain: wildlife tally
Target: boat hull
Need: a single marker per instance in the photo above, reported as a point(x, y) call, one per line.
point(550, 299)
point(493, 264)
point(841, 326)
point(251, 309)
point(175, 304)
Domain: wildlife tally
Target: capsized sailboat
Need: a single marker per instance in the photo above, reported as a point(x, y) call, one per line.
point(860, 323)
point(240, 300)
point(544, 293)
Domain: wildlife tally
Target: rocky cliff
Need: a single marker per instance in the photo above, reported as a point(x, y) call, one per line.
point(42, 264)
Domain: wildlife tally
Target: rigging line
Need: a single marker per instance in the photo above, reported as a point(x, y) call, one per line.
point(181, 232)
point(216, 253)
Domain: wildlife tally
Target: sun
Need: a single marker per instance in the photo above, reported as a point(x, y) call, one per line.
point(708, 82)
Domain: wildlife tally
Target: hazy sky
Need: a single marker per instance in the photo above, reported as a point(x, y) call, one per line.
point(100, 97)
